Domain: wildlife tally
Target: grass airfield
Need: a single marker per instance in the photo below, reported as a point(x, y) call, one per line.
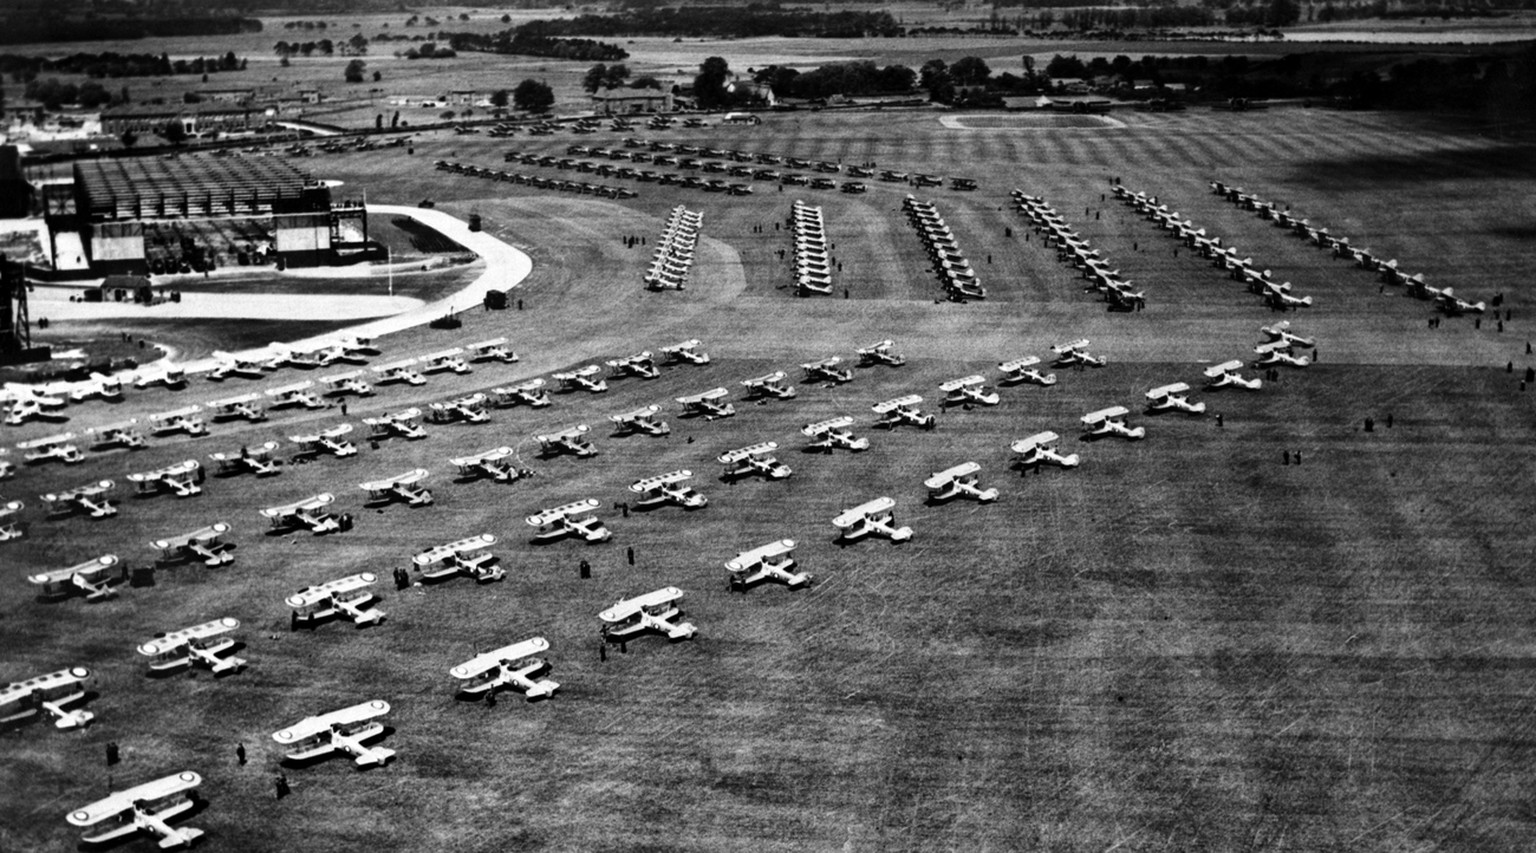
point(1182, 645)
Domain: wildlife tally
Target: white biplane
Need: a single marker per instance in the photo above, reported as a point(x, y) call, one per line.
point(206, 544)
point(401, 487)
point(347, 730)
point(344, 352)
point(653, 611)
point(826, 371)
point(448, 359)
point(199, 644)
point(348, 596)
point(572, 440)
point(530, 393)
point(26, 403)
point(572, 519)
point(1279, 296)
point(93, 578)
point(1111, 421)
point(902, 410)
point(707, 404)
point(470, 557)
point(122, 434)
point(491, 464)
point(494, 349)
point(768, 385)
point(256, 460)
point(169, 375)
point(146, 808)
point(1452, 305)
point(247, 406)
point(347, 382)
point(180, 480)
point(640, 364)
point(245, 367)
point(956, 482)
point(685, 351)
point(512, 666)
point(1281, 331)
point(1024, 370)
point(400, 424)
point(581, 380)
point(184, 419)
point(90, 499)
point(754, 459)
point(47, 694)
point(304, 358)
point(52, 447)
point(880, 353)
point(403, 370)
point(97, 387)
point(307, 514)
point(1076, 352)
point(774, 560)
point(641, 420)
point(1041, 448)
point(10, 527)
point(1278, 352)
point(668, 488)
point(833, 433)
point(1225, 375)
point(296, 394)
point(968, 390)
point(1166, 398)
point(875, 517)
point(469, 409)
point(326, 441)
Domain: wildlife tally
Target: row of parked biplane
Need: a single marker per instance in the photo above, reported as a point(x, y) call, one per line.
point(1075, 250)
point(673, 256)
point(813, 264)
point(609, 170)
point(1275, 294)
point(1444, 299)
point(949, 264)
point(537, 181)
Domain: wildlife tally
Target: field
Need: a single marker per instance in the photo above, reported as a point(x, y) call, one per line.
point(1185, 644)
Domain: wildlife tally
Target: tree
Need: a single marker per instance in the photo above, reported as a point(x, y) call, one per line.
point(506, 19)
point(616, 75)
point(595, 77)
point(970, 71)
point(646, 82)
point(500, 98)
point(174, 131)
point(354, 72)
point(377, 76)
point(709, 85)
point(932, 73)
point(533, 96)
point(129, 138)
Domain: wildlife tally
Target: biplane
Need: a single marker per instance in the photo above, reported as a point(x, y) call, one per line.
point(199, 644)
point(403, 370)
point(93, 578)
point(641, 420)
point(653, 611)
point(122, 434)
point(146, 808)
point(327, 441)
point(572, 519)
point(581, 380)
point(40, 450)
point(1111, 421)
point(708, 404)
point(400, 424)
point(180, 480)
point(469, 410)
point(47, 694)
point(1281, 331)
point(668, 488)
point(244, 367)
point(304, 358)
point(448, 359)
point(902, 410)
point(491, 464)
point(509, 667)
point(572, 440)
point(184, 419)
point(768, 385)
point(1167, 398)
point(347, 730)
point(7, 470)
point(205, 544)
point(296, 394)
point(880, 353)
point(753, 459)
point(346, 351)
point(348, 596)
point(1452, 305)
point(90, 499)
point(772, 561)
point(10, 528)
point(959, 481)
point(97, 387)
point(247, 406)
point(401, 487)
point(169, 375)
point(874, 517)
point(26, 404)
point(685, 351)
point(1279, 296)
point(530, 393)
point(1041, 448)
point(967, 390)
point(640, 364)
point(256, 460)
point(1024, 370)
point(347, 382)
point(306, 514)
point(807, 282)
point(494, 349)
point(834, 433)
point(1278, 352)
point(1225, 375)
point(470, 557)
point(1076, 352)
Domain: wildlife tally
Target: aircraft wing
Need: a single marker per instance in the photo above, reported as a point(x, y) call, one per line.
point(122, 801)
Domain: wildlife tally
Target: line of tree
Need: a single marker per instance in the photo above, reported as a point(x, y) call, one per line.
point(838, 78)
point(324, 47)
point(47, 28)
point(524, 42)
point(723, 21)
point(98, 65)
point(53, 94)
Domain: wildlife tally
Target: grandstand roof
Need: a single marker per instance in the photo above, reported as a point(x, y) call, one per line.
point(151, 188)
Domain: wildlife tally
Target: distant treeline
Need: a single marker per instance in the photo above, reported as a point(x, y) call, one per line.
point(840, 78)
point(723, 21)
point(43, 27)
point(524, 41)
point(25, 68)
